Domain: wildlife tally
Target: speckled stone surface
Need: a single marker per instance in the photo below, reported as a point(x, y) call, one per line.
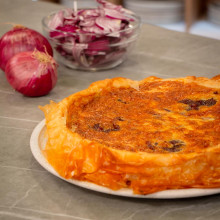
point(28, 191)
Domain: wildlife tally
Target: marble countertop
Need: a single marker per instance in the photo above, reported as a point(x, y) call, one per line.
point(28, 191)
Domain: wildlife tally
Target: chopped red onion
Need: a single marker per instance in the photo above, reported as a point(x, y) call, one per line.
point(87, 22)
point(87, 13)
point(108, 25)
point(85, 37)
point(99, 45)
point(57, 20)
point(111, 13)
point(95, 30)
point(106, 4)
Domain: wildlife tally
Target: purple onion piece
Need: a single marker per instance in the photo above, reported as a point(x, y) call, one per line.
point(57, 20)
point(108, 25)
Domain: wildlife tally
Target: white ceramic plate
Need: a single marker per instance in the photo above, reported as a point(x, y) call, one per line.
point(37, 142)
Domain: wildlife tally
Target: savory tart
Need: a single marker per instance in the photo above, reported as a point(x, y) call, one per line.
point(147, 135)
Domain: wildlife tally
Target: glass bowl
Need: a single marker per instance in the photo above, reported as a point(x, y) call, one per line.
point(99, 55)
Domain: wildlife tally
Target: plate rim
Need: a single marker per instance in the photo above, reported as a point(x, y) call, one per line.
point(165, 194)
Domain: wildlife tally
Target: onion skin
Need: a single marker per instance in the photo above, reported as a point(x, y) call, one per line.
point(31, 76)
point(21, 39)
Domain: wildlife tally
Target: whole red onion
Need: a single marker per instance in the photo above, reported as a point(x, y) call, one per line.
point(21, 39)
point(32, 73)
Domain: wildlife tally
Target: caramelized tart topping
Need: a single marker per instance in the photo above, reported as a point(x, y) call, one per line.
point(162, 116)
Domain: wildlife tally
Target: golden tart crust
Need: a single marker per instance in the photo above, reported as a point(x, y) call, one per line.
point(147, 135)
